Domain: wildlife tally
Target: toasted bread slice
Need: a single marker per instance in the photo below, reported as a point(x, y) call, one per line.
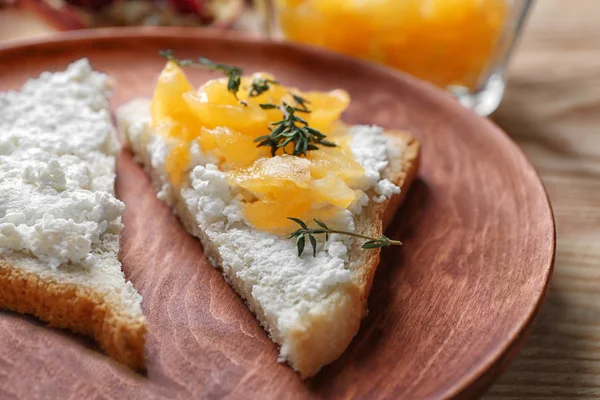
point(96, 302)
point(312, 328)
point(59, 219)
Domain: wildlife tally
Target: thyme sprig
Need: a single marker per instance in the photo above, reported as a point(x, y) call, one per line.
point(304, 231)
point(260, 85)
point(301, 103)
point(233, 74)
point(291, 129)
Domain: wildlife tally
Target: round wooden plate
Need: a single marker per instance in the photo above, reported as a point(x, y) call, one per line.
point(448, 309)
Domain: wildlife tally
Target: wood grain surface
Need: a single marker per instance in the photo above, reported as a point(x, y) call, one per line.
point(448, 310)
point(552, 109)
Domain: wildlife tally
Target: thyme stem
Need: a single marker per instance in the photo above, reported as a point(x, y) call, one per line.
point(300, 235)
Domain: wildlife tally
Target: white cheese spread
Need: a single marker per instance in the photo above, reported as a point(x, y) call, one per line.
point(370, 149)
point(264, 262)
point(251, 255)
point(57, 167)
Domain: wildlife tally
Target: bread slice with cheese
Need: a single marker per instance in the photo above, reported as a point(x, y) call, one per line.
point(311, 306)
point(60, 222)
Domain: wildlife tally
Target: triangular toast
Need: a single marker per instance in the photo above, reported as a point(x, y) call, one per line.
point(310, 306)
point(59, 219)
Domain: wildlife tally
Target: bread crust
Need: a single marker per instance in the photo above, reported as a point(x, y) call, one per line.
point(81, 309)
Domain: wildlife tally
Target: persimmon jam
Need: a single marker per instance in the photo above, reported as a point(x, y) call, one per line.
point(225, 125)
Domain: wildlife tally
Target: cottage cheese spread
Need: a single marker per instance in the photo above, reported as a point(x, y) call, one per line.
point(249, 254)
point(57, 167)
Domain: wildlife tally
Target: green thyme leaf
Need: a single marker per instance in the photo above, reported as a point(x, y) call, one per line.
point(300, 242)
point(300, 234)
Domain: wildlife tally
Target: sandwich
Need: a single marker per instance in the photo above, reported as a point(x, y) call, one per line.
point(287, 201)
point(60, 221)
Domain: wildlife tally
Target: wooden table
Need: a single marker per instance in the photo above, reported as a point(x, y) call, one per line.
point(552, 109)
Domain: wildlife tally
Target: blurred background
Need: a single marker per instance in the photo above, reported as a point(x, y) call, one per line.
point(459, 45)
point(540, 83)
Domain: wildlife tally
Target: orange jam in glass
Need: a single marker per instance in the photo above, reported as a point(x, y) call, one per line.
point(446, 42)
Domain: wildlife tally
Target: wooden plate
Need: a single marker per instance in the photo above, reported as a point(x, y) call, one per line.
point(448, 310)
